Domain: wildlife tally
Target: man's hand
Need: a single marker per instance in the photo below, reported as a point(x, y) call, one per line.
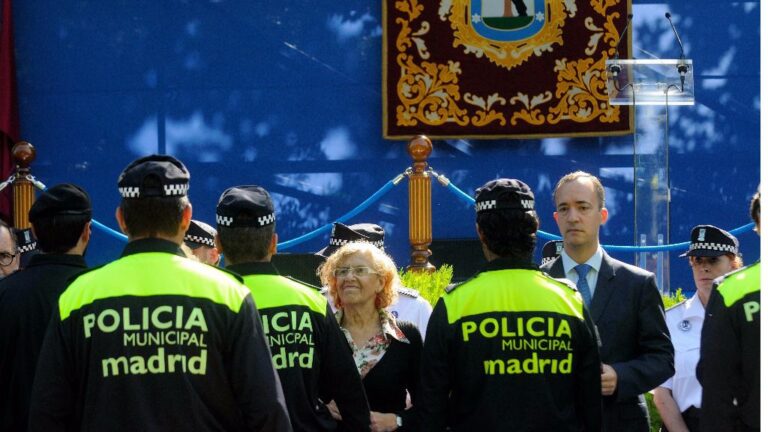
point(334, 410)
point(608, 380)
point(381, 422)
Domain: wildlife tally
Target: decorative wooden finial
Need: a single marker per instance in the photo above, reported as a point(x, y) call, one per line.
point(24, 153)
point(420, 204)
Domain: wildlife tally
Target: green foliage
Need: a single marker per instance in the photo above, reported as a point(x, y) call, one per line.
point(673, 299)
point(655, 419)
point(430, 285)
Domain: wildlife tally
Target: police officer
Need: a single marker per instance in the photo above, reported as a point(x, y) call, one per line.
point(510, 348)
point(729, 369)
point(155, 341)
point(409, 305)
point(550, 251)
point(199, 238)
point(309, 350)
point(26, 245)
point(61, 218)
point(712, 253)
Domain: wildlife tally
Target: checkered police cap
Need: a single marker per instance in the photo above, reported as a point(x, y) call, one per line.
point(342, 234)
point(199, 234)
point(551, 250)
point(245, 206)
point(504, 194)
point(709, 240)
point(154, 176)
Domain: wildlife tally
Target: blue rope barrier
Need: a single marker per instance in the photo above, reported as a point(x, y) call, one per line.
point(548, 236)
point(109, 231)
point(352, 213)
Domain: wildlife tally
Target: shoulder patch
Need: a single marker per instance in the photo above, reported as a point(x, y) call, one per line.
point(301, 282)
point(410, 292)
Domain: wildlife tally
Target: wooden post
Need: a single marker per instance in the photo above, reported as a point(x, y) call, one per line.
point(23, 190)
point(420, 205)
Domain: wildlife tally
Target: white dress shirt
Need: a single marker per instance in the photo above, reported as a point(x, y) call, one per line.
point(685, 322)
point(595, 261)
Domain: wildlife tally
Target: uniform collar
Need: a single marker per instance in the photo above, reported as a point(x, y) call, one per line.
point(595, 261)
point(254, 268)
point(152, 245)
point(693, 307)
point(61, 259)
point(505, 263)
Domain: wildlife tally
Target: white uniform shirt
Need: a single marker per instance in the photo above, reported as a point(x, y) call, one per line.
point(685, 322)
point(408, 306)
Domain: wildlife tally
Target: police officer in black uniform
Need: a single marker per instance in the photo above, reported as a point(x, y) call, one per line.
point(199, 238)
point(729, 368)
point(61, 218)
point(510, 348)
point(308, 349)
point(156, 341)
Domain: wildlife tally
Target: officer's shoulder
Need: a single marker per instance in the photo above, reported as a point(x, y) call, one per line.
point(302, 283)
point(734, 273)
point(225, 271)
point(408, 292)
point(454, 286)
point(564, 281)
point(675, 308)
point(83, 273)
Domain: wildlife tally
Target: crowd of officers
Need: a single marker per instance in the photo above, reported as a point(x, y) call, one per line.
point(157, 341)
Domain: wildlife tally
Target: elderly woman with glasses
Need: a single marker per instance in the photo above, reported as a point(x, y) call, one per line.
point(361, 279)
point(712, 253)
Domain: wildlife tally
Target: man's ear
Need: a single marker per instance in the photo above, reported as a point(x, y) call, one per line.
point(603, 215)
point(556, 216)
point(273, 245)
point(186, 218)
point(121, 221)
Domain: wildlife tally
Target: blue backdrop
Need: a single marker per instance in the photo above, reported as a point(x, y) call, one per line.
point(287, 95)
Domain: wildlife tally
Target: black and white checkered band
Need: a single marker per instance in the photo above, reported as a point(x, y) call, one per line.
point(129, 192)
point(341, 242)
point(179, 189)
point(200, 240)
point(492, 204)
point(545, 261)
point(714, 246)
point(224, 220)
point(228, 221)
point(169, 190)
point(485, 205)
point(266, 220)
point(27, 247)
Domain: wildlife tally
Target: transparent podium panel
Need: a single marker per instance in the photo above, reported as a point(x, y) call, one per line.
point(649, 82)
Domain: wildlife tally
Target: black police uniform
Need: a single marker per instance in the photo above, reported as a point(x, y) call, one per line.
point(511, 348)
point(156, 341)
point(729, 369)
point(27, 299)
point(309, 350)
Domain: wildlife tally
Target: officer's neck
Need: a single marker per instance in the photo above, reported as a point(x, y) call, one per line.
point(178, 239)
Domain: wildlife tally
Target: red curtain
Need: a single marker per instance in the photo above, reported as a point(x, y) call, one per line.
point(9, 107)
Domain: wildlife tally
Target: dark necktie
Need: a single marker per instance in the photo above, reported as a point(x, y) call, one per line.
point(582, 285)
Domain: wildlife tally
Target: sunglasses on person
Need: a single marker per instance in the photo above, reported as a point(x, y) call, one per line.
point(354, 271)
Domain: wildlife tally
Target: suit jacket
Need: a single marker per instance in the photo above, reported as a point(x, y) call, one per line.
point(629, 314)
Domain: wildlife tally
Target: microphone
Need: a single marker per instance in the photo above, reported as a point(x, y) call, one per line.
point(615, 69)
point(682, 68)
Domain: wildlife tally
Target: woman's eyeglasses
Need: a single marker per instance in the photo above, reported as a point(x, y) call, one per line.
point(354, 271)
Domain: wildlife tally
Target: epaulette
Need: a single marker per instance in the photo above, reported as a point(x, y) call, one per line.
point(564, 281)
point(308, 285)
point(410, 292)
point(453, 286)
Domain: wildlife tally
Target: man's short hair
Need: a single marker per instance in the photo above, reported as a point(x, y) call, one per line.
point(245, 244)
point(59, 234)
point(599, 189)
point(509, 233)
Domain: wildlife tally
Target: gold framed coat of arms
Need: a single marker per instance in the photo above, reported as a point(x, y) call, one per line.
point(502, 68)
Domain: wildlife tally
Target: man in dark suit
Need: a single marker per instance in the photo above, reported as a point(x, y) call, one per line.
point(626, 306)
